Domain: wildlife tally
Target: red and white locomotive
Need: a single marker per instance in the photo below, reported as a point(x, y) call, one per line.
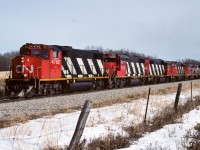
point(48, 69)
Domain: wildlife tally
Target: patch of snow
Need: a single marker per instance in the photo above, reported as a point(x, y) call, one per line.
point(171, 136)
point(58, 130)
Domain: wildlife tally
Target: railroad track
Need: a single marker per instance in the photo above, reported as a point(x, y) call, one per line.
point(17, 99)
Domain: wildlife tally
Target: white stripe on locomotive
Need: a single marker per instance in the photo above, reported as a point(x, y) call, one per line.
point(82, 66)
point(134, 70)
point(178, 69)
point(153, 69)
point(92, 67)
point(150, 70)
point(128, 72)
point(161, 72)
point(182, 70)
point(138, 67)
point(158, 73)
point(70, 65)
point(142, 64)
point(100, 65)
point(163, 68)
point(64, 71)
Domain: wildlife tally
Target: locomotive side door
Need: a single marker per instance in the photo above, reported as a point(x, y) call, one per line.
point(55, 64)
point(121, 67)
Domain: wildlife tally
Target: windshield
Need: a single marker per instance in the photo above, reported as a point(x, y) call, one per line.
point(45, 53)
point(42, 53)
point(109, 60)
point(35, 52)
point(25, 51)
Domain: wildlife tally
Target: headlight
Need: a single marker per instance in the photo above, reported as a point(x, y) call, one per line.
point(22, 59)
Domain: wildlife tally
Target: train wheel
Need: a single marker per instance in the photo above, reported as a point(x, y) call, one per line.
point(110, 86)
point(123, 82)
point(93, 86)
point(99, 85)
point(117, 83)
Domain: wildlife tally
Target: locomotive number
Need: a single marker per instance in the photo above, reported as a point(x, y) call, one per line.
point(55, 61)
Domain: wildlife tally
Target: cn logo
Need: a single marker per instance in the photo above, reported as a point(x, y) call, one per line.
point(22, 68)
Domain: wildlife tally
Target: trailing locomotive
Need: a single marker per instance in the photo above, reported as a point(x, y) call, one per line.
point(49, 69)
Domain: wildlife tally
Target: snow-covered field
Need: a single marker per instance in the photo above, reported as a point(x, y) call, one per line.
point(58, 129)
point(170, 137)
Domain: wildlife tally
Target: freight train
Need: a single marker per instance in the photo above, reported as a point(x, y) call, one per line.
point(50, 69)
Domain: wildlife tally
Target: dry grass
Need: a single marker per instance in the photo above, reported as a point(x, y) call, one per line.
point(110, 142)
point(110, 102)
point(2, 81)
point(195, 143)
point(167, 116)
point(3, 74)
point(167, 90)
point(26, 117)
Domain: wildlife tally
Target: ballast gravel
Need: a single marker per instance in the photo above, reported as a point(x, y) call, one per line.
point(13, 110)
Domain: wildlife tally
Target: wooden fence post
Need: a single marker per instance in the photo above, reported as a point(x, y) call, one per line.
point(147, 106)
point(80, 125)
point(177, 96)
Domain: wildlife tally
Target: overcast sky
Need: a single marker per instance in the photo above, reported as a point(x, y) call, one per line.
point(167, 29)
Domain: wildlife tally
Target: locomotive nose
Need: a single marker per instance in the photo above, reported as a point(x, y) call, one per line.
point(21, 67)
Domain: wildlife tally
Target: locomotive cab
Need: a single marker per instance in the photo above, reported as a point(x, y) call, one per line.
point(115, 64)
point(35, 61)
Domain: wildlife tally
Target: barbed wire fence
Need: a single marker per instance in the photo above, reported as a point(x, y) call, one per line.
point(17, 139)
point(34, 140)
point(53, 131)
point(54, 128)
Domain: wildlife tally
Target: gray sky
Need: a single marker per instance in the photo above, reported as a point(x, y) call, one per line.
point(167, 29)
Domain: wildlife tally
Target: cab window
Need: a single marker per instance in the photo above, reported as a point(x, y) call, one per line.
point(45, 53)
point(55, 54)
point(25, 52)
point(35, 52)
point(109, 60)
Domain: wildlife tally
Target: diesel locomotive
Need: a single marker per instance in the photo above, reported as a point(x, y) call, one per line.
point(50, 69)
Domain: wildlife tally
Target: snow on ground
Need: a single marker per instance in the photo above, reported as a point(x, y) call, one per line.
point(58, 129)
point(170, 137)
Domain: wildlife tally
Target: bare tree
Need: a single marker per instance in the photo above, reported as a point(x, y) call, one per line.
point(5, 60)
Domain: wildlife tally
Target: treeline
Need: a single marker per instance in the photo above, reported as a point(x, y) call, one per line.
point(128, 52)
point(190, 61)
point(132, 53)
point(5, 60)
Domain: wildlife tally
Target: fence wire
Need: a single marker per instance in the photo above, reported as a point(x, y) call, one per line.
point(47, 128)
point(44, 133)
point(17, 136)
